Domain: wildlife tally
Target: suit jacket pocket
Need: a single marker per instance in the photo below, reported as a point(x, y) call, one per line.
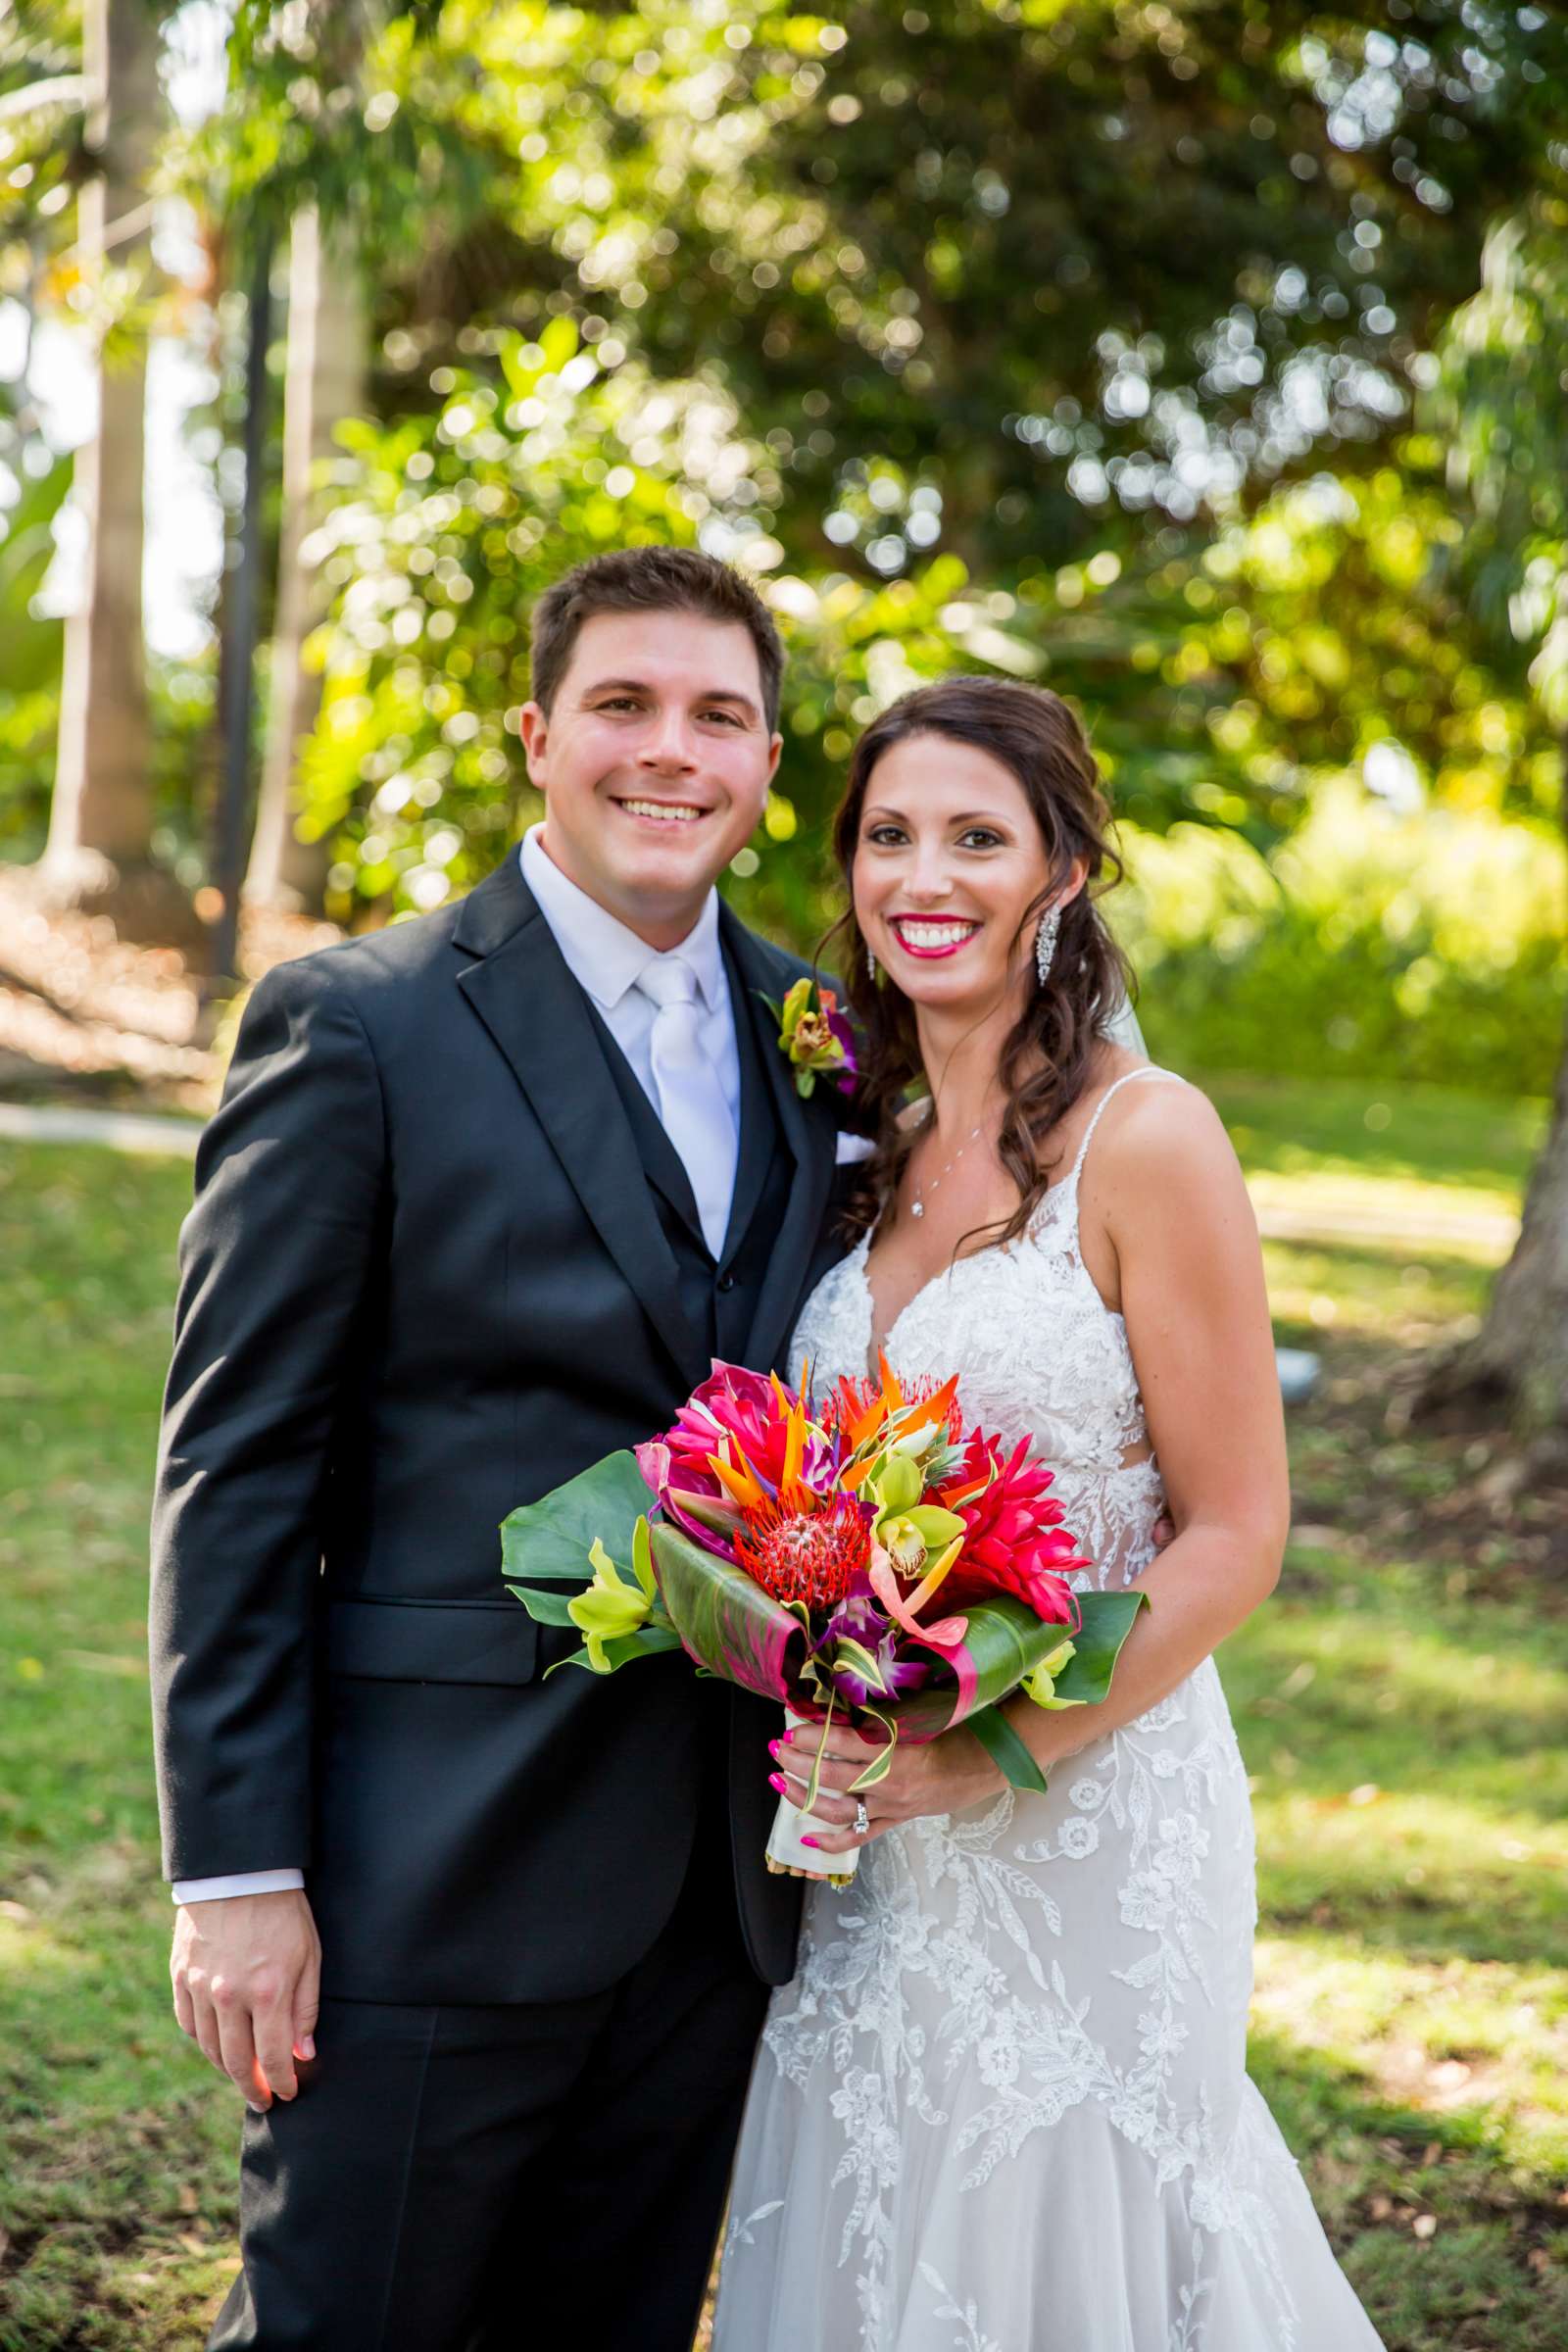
point(387, 1641)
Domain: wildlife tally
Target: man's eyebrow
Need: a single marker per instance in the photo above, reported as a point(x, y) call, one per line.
point(710, 694)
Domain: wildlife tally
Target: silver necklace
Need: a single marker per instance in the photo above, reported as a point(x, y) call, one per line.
point(918, 1204)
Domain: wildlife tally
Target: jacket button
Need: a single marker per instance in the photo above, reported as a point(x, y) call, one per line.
point(726, 1282)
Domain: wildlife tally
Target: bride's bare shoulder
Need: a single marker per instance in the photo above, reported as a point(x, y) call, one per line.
point(1163, 1138)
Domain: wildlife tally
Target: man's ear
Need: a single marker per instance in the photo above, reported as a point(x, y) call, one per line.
point(775, 747)
point(534, 728)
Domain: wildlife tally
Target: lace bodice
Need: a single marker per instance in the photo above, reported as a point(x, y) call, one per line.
point(1074, 1394)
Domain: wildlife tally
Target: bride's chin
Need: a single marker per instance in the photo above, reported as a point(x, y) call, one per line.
point(944, 980)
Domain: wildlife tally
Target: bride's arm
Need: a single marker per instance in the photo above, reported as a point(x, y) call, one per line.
point(1168, 1232)
point(1176, 1236)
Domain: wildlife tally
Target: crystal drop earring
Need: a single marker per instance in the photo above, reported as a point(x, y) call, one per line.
point(1046, 943)
point(870, 966)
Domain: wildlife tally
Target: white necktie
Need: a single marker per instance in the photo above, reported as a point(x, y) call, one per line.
point(691, 1101)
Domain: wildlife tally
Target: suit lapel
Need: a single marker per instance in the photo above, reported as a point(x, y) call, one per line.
point(758, 1130)
point(538, 1017)
point(807, 1129)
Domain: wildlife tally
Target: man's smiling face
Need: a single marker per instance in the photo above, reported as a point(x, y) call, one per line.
point(655, 763)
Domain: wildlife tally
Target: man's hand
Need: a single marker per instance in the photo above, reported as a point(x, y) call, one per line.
point(247, 1975)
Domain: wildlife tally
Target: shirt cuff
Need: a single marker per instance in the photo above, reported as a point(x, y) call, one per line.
point(239, 1881)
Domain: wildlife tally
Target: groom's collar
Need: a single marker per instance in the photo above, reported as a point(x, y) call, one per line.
point(601, 952)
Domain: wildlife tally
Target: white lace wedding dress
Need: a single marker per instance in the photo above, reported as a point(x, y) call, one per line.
point(1003, 2105)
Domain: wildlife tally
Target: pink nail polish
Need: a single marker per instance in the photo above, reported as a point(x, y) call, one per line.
point(776, 1781)
point(810, 1842)
point(773, 1747)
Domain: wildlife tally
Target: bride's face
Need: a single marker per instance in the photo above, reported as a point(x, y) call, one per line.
point(948, 863)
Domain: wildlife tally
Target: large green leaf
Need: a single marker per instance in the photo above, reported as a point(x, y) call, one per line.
point(1108, 1621)
point(549, 1542)
point(1006, 1751)
point(545, 1608)
point(1004, 1641)
point(726, 1622)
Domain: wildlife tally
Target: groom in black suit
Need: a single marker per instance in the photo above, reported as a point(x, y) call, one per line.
point(487, 1954)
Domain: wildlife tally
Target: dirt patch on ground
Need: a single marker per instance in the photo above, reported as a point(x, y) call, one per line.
point(87, 1017)
point(1368, 1483)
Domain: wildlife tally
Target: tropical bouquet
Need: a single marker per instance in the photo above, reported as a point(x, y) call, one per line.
point(871, 1560)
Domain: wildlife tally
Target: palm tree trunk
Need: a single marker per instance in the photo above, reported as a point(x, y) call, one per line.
point(101, 818)
point(324, 382)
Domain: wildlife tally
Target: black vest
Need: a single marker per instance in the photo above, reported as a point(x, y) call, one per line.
point(721, 1296)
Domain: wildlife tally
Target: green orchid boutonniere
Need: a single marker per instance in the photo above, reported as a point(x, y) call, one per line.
point(815, 1036)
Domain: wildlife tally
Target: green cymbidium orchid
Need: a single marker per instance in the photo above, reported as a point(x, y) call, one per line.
point(910, 1538)
point(1041, 1683)
point(920, 1540)
point(814, 1035)
point(894, 1485)
point(609, 1606)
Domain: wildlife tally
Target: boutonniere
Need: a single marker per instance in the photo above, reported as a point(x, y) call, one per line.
point(816, 1037)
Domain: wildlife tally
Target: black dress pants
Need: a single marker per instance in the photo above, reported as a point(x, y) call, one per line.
point(539, 2178)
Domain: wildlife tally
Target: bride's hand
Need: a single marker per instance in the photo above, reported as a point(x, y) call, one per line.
point(941, 1776)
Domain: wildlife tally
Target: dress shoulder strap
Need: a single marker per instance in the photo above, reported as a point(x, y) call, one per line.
point(1149, 1069)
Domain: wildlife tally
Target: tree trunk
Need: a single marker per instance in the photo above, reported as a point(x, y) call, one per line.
point(326, 381)
point(101, 818)
point(1517, 1363)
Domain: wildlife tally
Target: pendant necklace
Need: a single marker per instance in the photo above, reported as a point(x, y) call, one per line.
point(918, 1204)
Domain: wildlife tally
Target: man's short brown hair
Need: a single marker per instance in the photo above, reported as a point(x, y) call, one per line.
point(651, 579)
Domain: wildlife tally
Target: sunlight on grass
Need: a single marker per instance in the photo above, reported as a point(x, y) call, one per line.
point(1411, 1296)
point(1425, 1135)
point(1478, 1225)
point(1481, 1682)
point(28, 1947)
point(1481, 2047)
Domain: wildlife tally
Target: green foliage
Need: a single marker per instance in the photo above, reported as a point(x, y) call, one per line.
point(1500, 397)
point(1425, 946)
point(1126, 350)
point(980, 275)
point(450, 525)
point(30, 646)
point(1292, 918)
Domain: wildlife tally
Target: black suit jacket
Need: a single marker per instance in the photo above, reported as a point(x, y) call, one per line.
point(429, 1275)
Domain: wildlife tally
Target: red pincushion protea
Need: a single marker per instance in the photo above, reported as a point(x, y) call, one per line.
point(1015, 1541)
point(812, 1557)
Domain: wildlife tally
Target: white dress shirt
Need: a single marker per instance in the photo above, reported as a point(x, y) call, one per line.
point(607, 961)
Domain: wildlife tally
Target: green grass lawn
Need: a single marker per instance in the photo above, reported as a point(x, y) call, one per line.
point(1400, 1704)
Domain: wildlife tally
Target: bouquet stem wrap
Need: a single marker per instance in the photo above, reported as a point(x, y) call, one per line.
point(787, 1857)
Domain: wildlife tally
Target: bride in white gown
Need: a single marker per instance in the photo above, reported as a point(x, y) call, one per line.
point(1003, 2105)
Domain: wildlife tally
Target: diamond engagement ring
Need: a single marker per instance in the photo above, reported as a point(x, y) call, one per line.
point(862, 1819)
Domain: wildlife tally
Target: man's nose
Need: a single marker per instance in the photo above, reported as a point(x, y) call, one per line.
point(668, 743)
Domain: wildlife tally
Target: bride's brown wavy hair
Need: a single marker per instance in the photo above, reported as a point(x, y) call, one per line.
point(1047, 1058)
